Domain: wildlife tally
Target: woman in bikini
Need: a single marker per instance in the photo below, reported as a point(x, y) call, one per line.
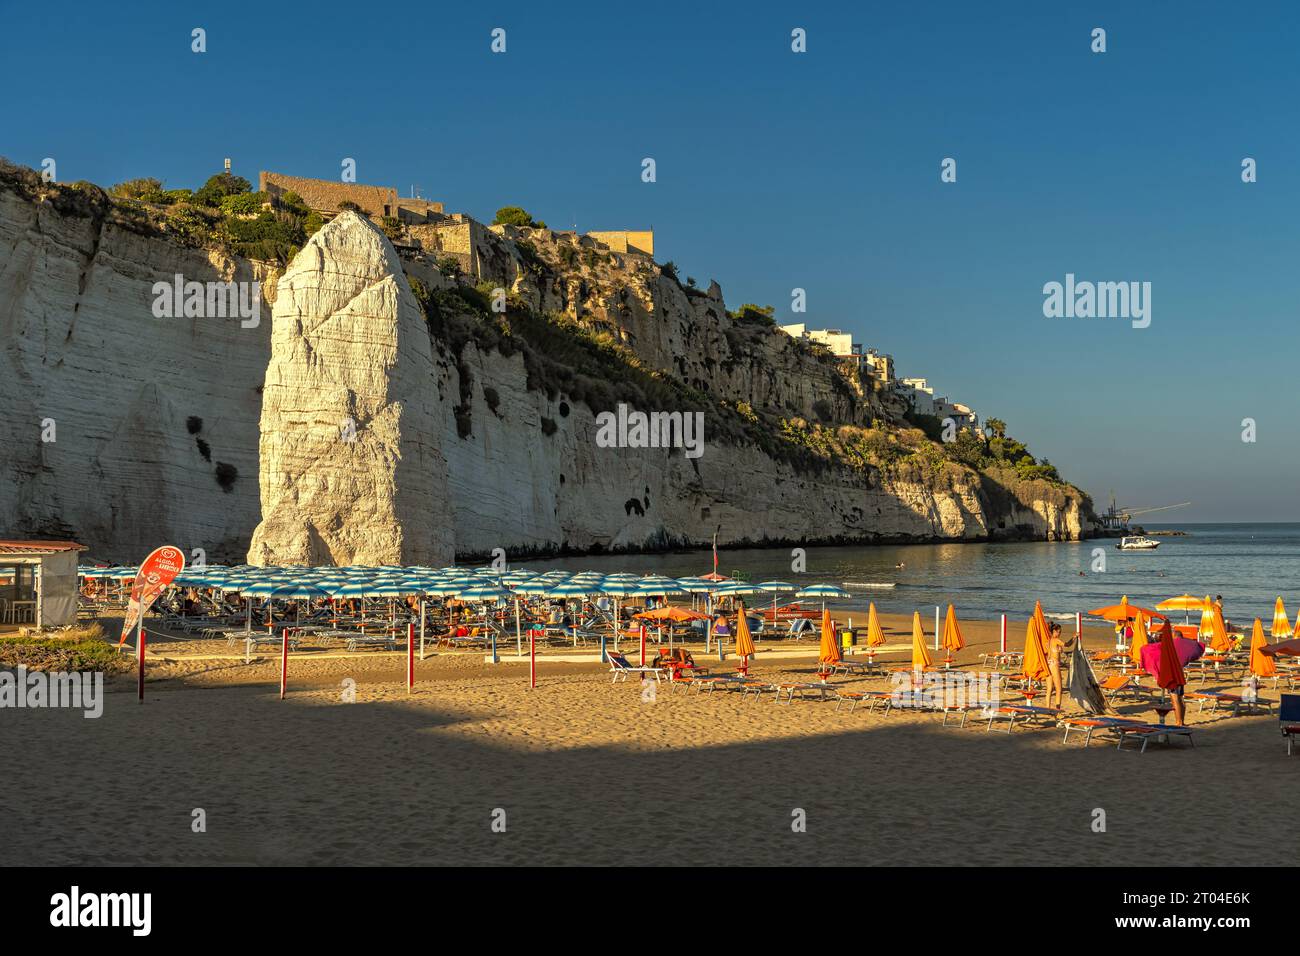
point(1055, 647)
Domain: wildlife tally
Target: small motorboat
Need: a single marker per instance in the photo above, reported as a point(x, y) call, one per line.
point(1137, 543)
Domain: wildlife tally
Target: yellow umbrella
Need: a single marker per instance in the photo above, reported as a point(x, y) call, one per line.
point(1035, 664)
point(1261, 665)
point(953, 640)
point(1219, 641)
point(920, 656)
point(1206, 630)
point(1281, 626)
point(1140, 640)
point(1187, 603)
point(875, 633)
point(744, 641)
point(830, 650)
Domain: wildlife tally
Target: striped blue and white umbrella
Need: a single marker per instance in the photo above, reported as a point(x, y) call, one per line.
point(485, 591)
point(659, 588)
point(822, 592)
point(571, 589)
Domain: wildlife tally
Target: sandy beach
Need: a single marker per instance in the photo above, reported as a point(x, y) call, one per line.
point(587, 772)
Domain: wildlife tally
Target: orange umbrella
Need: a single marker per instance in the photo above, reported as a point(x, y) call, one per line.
point(1123, 611)
point(1140, 640)
point(1261, 665)
point(1035, 665)
point(671, 613)
point(1184, 602)
point(1171, 668)
point(1281, 626)
point(952, 639)
point(744, 642)
point(920, 656)
point(875, 633)
point(1219, 640)
point(830, 650)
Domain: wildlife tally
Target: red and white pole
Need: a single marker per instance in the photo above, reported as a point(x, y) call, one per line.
point(284, 662)
point(643, 645)
point(1078, 624)
point(139, 646)
point(410, 656)
point(1004, 633)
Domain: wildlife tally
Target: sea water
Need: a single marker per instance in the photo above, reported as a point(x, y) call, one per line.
point(1249, 564)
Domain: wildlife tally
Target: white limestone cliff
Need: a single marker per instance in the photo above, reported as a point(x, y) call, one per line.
point(351, 471)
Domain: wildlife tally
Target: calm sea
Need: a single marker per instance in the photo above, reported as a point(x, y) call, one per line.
point(1249, 564)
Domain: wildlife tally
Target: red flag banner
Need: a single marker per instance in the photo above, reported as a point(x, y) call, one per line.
point(157, 571)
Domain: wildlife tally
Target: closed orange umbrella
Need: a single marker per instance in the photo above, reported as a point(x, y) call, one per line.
point(830, 649)
point(875, 633)
point(1261, 665)
point(952, 639)
point(1140, 640)
point(1219, 640)
point(920, 656)
point(1171, 668)
point(744, 641)
point(1035, 664)
point(1281, 626)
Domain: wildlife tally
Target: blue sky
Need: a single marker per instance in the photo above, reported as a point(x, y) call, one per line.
point(818, 171)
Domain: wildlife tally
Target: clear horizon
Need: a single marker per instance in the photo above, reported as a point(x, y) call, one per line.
point(818, 171)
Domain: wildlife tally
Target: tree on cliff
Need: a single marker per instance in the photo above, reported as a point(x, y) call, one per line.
point(516, 216)
point(219, 187)
point(998, 427)
point(146, 189)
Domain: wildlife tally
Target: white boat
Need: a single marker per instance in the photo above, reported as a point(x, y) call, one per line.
point(1138, 543)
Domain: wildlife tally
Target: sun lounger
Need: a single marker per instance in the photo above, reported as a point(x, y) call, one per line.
point(1237, 702)
point(791, 689)
point(848, 665)
point(1022, 712)
point(619, 666)
point(1148, 732)
point(1289, 715)
point(1089, 725)
point(963, 709)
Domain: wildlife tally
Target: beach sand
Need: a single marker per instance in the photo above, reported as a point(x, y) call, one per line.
point(587, 772)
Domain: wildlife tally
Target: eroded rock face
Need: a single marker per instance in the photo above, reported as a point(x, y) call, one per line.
point(122, 429)
point(351, 472)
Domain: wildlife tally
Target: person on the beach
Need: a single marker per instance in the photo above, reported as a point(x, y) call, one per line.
point(1055, 647)
point(720, 626)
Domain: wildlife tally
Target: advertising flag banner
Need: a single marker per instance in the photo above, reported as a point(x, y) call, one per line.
point(157, 571)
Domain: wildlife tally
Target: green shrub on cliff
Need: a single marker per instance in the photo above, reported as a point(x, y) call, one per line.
point(220, 186)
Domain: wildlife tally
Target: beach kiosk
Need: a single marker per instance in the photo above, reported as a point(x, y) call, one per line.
point(38, 583)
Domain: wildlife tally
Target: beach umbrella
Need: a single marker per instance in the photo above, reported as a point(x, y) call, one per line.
point(1123, 611)
point(875, 633)
point(829, 652)
point(1185, 603)
point(920, 653)
point(1206, 629)
point(822, 592)
point(1171, 667)
point(1219, 640)
point(1291, 648)
point(744, 640)
point(1140, 640)
point(671, 613)
point(1035, 660)
point(1261, 664)
point(485, 591)
point(1281, 626)
point(1083, 682)
point(952, 637)
point(695, 585)
point(776, 587)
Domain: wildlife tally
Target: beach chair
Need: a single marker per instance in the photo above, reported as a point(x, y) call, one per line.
point(619, 666)
point(1022, 712)
point(1237, 702)
point(1149, 732)
point(1289, 715)
point(1089, 725)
